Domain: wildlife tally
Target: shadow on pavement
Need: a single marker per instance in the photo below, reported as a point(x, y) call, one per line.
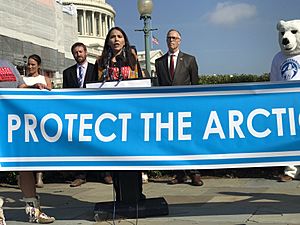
point(244, 203)
point(62, 207)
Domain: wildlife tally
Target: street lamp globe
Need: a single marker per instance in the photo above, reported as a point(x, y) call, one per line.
point(145, 7)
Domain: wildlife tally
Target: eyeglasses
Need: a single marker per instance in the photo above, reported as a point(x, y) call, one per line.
point(172, 38)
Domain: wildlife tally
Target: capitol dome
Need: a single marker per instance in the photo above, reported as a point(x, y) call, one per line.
point(94, 20)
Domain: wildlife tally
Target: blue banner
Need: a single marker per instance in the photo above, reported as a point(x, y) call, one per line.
point(188, 127)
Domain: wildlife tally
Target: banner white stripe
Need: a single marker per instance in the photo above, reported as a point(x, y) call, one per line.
point(152, 95)
point(169, 167)
point(152, 158)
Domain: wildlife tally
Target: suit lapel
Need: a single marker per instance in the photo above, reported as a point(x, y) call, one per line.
point(74, 75)
point(87, 74)
point(179, 64)
point(165, 63)
point(165, 66)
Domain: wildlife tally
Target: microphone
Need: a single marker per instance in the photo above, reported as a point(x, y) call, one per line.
point(124, 54)
point(120, 62)
point(106, 64)
point(109, 55)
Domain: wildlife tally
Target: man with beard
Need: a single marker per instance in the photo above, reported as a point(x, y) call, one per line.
point(76, 76)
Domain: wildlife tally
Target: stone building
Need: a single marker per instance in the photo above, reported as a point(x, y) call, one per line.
point(94, 20)
point(49, 28)
point(36, 27)
point(154, 54)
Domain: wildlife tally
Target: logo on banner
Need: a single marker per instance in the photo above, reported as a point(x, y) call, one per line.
point(289, 69)
point(6, 74)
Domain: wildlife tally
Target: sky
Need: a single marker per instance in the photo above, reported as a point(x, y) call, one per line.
point(226, 37)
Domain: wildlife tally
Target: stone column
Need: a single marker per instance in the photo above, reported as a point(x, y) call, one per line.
point(84, 23)
point(100, 25)
point(105, 25)
point(112, 22)
point(93, 24)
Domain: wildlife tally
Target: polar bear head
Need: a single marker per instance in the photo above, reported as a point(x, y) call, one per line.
point(289, 37)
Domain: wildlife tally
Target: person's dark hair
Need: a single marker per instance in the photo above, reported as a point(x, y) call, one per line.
point(36, 58)
point(78, 44)
point(130, 58)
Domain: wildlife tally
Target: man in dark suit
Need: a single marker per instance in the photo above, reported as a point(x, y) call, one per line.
point(185, 70)
point(178, 68)
point(77, 76)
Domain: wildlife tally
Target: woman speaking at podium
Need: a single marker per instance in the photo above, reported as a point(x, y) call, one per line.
point(119, 62)
point(119, 59)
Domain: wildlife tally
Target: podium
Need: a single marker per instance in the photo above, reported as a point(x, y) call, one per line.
point(146, 82)
point(130, 202)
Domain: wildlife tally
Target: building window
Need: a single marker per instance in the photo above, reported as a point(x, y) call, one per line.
point(97, 23)
point(89, 23)
point(108, 23)
point(103, 25)
point(80, 21)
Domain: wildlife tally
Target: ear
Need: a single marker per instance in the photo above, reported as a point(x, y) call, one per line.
point(280, 24)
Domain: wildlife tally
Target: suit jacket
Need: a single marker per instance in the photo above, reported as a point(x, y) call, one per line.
point(70, 76)
point(186, 71)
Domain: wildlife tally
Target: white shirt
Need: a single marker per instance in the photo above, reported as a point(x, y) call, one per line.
point(39, 79)
point(285, 68)
point(175, 56)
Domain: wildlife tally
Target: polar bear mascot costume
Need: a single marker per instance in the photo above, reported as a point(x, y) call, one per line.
point(286, 67)
point(286, 63)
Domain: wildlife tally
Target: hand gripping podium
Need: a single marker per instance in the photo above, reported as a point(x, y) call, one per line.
point(130, 202)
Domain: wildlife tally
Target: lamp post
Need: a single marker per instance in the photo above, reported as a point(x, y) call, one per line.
point(24, 64)
point(145, 9)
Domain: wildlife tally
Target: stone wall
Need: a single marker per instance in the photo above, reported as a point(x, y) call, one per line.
point(37, 27)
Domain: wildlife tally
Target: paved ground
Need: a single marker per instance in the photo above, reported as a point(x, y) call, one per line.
point(241, 201)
